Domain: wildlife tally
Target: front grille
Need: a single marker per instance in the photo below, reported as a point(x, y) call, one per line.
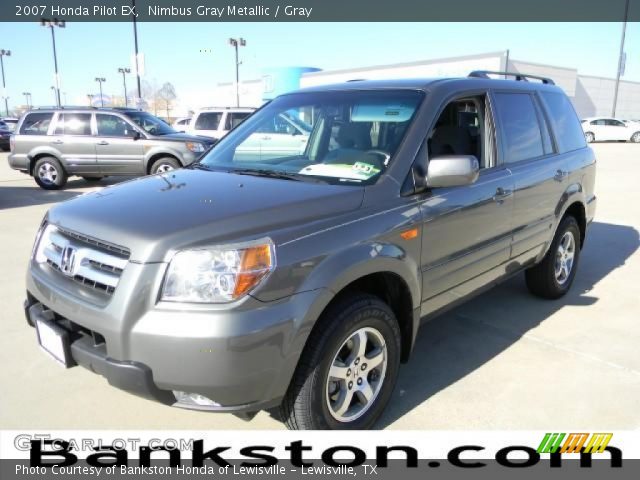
point(91, 263)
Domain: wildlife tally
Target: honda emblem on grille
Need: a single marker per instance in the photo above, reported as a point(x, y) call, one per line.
point(68, 261)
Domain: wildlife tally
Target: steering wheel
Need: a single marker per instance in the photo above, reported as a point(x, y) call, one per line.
point(382, 153)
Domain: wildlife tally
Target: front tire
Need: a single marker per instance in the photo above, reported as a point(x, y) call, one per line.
point(49, 173)
point(164, 165)
point(348, 369)
point(552, 278)
point(635, 138)
point(590, 137)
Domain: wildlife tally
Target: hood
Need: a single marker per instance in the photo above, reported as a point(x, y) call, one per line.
point(185, 137)
point(187, 208)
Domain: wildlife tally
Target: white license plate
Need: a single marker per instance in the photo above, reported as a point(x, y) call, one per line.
point(53, 342)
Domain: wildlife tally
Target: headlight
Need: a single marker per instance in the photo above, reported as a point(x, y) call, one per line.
point(195, 147)
point(41, 241)
point(217, 275)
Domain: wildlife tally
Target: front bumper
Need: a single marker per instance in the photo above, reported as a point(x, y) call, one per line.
point(240, 357)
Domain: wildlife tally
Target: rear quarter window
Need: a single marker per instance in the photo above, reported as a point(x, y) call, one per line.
point(564, 121)
point(36, 123)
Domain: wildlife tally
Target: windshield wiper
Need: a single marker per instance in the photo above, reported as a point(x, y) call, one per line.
point(263, 172)
point(200, 166)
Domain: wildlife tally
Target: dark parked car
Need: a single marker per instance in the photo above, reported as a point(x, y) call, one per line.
point(52, 144)
point(298, 281)
point(5, 135)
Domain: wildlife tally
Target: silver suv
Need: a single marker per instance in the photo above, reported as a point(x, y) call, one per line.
point(52, 144)
point(298, 279)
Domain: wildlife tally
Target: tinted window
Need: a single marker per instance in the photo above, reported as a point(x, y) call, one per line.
point(235, 119)
point(546, 136)
point(112, 126)
point(615, 123)
point(73, 124)
point(150, 124)
point(563, 118)
point(208, 121)
point(520, 128)
point(36, 124)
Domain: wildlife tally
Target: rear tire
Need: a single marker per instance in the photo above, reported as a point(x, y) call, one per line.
point(553, 276)
point(590, 137)
point(49, 173)
point(336, 385)
point(164, 165)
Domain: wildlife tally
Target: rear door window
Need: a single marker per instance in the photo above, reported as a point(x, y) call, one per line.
point(564, 121)
point(36, 123)
point(73, 124)
point(208, 121)
point(521, 133)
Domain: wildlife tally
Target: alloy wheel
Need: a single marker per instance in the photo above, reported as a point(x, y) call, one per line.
point(356, 375)
point(565, 255)
point(48, 173)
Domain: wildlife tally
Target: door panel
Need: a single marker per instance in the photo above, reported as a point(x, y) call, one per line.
point(117, 152)
point(72, 138)
point(539, 185)
point(467, 231)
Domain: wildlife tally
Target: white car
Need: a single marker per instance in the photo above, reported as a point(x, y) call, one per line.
point(602, 129)
point(181, 124)
point(215, 122)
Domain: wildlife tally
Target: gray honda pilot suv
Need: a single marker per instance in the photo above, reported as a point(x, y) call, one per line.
point(52, 144)
point(296, 283)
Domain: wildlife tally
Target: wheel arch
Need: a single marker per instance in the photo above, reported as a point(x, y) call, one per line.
point(157, 156)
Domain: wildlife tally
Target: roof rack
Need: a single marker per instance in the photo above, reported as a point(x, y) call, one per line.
point(520, 77)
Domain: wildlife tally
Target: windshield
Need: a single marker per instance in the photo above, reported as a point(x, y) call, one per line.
point(150, 124)
point(336, 137)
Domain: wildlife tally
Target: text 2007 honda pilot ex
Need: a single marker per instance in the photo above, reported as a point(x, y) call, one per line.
point(252, 279)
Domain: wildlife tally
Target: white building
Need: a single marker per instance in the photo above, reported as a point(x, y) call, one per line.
point(591, 96)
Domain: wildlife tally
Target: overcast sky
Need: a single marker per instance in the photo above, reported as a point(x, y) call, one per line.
point(196, 56)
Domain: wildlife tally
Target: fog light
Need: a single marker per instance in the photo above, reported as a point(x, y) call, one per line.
point(185, 398)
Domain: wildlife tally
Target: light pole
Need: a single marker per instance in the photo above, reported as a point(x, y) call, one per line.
point(52, 24)
point(4, 53)
point(124, 72)
point(135, 42)
point(235, 43)
point(100, 80)
point(620, 59)
point(90, 97)
point(27, 97)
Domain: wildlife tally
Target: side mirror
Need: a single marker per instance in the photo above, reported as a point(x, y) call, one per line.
point(136, 135)
point(452, 170)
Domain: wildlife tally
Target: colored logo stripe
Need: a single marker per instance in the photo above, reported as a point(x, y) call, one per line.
point(574, 442)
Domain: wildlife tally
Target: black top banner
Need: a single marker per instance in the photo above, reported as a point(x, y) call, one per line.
point(321, 10)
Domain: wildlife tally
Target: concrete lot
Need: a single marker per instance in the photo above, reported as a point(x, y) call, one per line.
point(505, 360)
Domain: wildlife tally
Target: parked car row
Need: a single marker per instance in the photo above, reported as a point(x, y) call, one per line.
point(603, 129)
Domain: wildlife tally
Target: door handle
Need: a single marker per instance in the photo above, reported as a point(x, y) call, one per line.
point(57, 142)
point(501, 194)
point(560, 175)
point(103, 142)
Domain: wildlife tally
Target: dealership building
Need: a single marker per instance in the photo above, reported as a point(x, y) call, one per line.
point(591, 96)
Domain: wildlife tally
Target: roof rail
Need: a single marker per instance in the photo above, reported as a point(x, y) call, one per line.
point(226, 108)
point(520, 77)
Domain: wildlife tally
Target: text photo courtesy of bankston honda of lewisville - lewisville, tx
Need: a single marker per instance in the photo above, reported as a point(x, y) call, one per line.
point(230, 227)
